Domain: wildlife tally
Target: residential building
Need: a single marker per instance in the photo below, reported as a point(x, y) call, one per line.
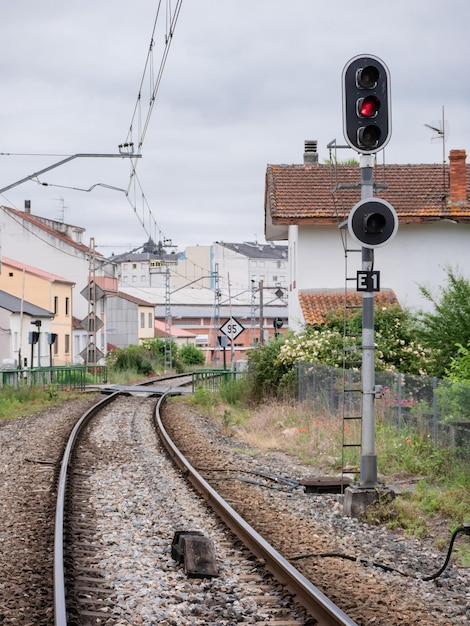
point(120, 319)
point(307, 203)
point(24, 329)
point(209, 285)
point(48, 245)
point(48, 291)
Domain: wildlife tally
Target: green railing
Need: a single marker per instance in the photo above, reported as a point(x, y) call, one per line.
point(211, 379)
point(63, 377)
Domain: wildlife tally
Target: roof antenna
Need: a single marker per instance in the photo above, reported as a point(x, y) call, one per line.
point(441, 134)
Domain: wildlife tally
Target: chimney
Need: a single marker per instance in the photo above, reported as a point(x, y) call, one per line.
point(458, 176)
point(27, 206)
point(310, 151)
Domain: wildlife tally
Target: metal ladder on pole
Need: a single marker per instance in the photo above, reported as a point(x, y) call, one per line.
point(351, 432)
point(168, 356)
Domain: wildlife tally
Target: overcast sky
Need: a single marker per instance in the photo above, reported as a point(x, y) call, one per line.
point(245, 83)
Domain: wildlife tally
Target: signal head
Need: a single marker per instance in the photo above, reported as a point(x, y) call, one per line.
point(366, 104)
point(373, 223)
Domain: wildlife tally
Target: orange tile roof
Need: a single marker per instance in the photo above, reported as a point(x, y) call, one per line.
point(315, 304)
point(303, 194)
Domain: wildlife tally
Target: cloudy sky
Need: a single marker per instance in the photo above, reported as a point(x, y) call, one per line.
point(245, 83)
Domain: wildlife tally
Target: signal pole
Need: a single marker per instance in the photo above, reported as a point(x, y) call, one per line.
point(368, 475)
point(372, 222)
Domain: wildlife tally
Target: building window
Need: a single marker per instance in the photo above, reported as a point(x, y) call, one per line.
point(56, 346)
point(150, 320)
point(67, 344)
point(56, 305)
point(67, 306)
point(134, 266)
point(142, 320)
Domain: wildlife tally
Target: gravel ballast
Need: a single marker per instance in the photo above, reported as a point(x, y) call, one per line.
point(137, 528)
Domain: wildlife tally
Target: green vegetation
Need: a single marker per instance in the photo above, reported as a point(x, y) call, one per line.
point(437, 344)
point(190, 354)
point(25, 400)
point(149, 358)
point(436, 482)
point(447, 326)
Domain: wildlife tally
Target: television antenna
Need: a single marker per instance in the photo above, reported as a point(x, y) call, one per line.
point(440, 129)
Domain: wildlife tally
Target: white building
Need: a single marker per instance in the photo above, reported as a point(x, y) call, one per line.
point(306, 204)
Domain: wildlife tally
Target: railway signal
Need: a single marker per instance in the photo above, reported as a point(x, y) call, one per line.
point(373, 222)
point(366, 104)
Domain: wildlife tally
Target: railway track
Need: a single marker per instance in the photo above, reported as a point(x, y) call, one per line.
point(90, 533)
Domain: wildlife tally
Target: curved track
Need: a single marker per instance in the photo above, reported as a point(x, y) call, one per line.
point(317, 605)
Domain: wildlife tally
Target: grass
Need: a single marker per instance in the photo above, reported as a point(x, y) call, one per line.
point(24, 400)
point(439, 499)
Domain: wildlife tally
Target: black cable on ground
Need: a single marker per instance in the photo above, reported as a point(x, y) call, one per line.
point(465, 528)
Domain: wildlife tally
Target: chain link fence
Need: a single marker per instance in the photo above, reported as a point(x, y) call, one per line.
point(437, 408)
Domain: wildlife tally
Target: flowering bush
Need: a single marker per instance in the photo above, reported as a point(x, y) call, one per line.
point(317, 346)
point(396, 349)
point(272, 366)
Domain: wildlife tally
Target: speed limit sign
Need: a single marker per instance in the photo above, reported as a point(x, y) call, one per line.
point(232, 328)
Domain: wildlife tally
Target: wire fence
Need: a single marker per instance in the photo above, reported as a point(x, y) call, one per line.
point(437, 408)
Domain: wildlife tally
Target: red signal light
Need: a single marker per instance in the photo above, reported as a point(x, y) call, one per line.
point(368, 107)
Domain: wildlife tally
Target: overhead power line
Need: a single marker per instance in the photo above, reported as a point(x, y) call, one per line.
point(140, 119)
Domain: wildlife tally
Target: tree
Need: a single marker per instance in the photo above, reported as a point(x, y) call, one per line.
point(447, 327)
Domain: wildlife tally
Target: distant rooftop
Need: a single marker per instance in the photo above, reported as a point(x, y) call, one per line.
point(255, 250)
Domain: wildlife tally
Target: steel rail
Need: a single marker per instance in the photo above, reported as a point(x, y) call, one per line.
point(315, 602)
point(60, 611)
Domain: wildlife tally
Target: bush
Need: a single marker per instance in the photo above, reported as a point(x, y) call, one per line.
point(132, 359)
point(148, 357)
point(266, 375)
point(447, 327)
point(190, 354)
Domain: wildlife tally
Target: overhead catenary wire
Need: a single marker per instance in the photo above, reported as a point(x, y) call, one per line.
point(134, 187)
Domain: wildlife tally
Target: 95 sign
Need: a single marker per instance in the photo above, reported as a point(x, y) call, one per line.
point(368, 281)
point(232, 328)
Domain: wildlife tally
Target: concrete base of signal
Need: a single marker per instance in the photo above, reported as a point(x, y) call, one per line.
point(357, 500)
